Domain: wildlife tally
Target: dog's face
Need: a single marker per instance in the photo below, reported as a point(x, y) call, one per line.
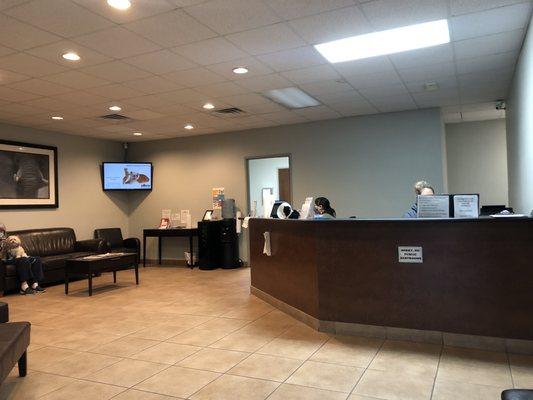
point(13, 242)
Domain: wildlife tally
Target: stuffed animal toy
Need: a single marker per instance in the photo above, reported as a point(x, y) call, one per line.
point(15, 248)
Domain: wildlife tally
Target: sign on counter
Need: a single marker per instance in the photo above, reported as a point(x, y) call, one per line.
point(437, 206)
point(466, 205)
point(410, 254)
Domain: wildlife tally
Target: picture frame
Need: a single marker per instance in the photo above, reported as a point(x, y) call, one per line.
point(207, 215)
point(28, 175)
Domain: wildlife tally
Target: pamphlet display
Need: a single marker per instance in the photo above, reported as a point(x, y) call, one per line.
point(466, 206)
point(437, 206)
point(217, 195)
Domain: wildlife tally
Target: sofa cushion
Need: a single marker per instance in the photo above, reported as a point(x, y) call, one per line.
point(60, 261)
point(14, 340)
point(47, 242)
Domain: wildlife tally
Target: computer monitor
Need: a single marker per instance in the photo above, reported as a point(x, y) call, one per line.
point(493, 209)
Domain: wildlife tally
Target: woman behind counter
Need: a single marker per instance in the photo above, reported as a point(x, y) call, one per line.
point(323, 209)
point(421, 188)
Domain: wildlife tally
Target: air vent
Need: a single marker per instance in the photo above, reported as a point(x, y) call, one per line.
point(114, 116)
point(231, 110)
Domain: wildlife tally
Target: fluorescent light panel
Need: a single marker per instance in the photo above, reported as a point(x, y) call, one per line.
point(292, 97)
point(386, 42)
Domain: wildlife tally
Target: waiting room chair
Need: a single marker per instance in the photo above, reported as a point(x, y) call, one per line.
point(115, 243)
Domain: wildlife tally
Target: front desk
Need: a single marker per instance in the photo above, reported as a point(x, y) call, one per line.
point(476, 277)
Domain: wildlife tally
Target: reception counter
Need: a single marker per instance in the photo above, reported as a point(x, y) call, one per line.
point(475, 278)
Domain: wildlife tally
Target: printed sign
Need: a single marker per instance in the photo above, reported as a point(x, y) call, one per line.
point(410, 254)
point(437, 206)
point(466, 205)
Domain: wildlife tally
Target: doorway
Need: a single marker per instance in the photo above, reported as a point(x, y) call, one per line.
point(268, 176)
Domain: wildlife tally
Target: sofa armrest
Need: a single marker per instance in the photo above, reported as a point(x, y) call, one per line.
point(96, 245)
point(4, 312)
point(2, 277)
point(132, 243)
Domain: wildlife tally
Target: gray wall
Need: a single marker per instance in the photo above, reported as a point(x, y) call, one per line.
point(82, 203)
point(477, 159)
point(365, 165)
point(520, 130)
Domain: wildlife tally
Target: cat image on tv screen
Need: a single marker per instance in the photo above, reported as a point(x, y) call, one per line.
point(132, 176)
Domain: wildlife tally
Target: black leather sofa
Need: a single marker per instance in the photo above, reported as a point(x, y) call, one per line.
point(14, 342)
point(54, 246)
point(115, 243)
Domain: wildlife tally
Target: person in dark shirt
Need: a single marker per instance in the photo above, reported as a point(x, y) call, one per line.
point(421, 188)
point(323, 209)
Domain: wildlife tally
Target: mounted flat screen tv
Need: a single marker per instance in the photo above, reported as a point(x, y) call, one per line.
point(127, 176)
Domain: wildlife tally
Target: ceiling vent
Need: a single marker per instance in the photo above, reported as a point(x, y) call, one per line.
point(114, 117)
point(230, 111)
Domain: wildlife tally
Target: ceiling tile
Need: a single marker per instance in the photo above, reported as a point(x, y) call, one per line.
point(221, 89)
point(142, 114)
point(363, 67)
point(4, 51)
point(14, 95)
point(438, 98)
point(443, 83)
point(76, 80)
point(117, 43)
point(171, 29)
point(317, 113)
point(140, 9)
point(21, 36)
point(10, 77)
point(22, 109)
point(116, 71)
point(160, 62)
point(29, 65)
point(229, 16)
point(291, 9)
point(5, 4)
point(427, 72)
point(489, 79)
point(50, 104)
point(54, 51)
point(374, 80)
point(495, 61)
point(489, 22)
point(194, 77)
point(427, 56)
point(255, 68)
point(243, 100)
point(152, 85)
point(182, 96)
point(381, 92)
point(325, 87)
point(483, 115)
point(470, 6)
point(174, 109)
point(285, 117)
point(151, 101)
point(265, 82)
point(394, 103)
point(483, 94)
point(81, 98)
point(210, 51)
point(349, 96)
point(333, 25)
point(61, 17)
point(263, 108)
point(312, 74)
point(347, 109)
point(389, 14)
point(267, 39)
point(300, 57)
point(487, 45)
point(114, 91)
point(40, 87)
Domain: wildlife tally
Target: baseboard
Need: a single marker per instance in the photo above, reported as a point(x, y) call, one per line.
point(516, 346)
point(167, 262)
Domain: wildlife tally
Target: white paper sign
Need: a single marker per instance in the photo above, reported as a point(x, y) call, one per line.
point(466, 206)
point(410, 254)
point(433, 206)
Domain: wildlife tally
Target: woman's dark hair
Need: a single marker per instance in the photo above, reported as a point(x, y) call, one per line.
point(322, 201)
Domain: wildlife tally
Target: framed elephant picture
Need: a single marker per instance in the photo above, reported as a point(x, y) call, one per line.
point(28, 175)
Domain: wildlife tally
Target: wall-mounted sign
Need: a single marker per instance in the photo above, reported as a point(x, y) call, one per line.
point(410, 254)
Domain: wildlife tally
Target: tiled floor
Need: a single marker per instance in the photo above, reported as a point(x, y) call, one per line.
point(201, 335)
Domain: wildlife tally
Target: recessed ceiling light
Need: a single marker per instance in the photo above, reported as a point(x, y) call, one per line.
point(57, 117)
point(119, 4)
point(189, 127)
point(115, 108)
point(71, 56)
point(386, 42)
point(240, 70)
point(137, 134)
point(292, 97)
point(208, 106)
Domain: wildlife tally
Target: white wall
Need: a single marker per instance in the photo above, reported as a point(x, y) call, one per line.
point(263, 173)
point(82, 203)
point(477, 160)
point(520, 130)
point(365, 165)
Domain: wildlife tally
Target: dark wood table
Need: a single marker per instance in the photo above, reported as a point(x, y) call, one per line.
point(174, 232)
point(92, 266)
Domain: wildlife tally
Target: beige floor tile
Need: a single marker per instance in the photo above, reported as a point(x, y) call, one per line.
point(242, 342)
point(295, 392)
point(229, 387)
point(132, 394)
point(166, 353)
point(80, 365)
point(83, 341)
point(474, 366)
point(124, 347)
point(47, 355)
point(339, 378)
point(159, 332)
point(127, 372)
point(198, 337)
point(177, 381)
point(226, 325)
point(301, 331)
point(291, 348)
point(266, 367)
point(359, 397)
point(82, 390)
point(348, 350)
point(214, 360)
point(522, 370)
point(418, 358)
point(448, 390)
point(32, 386)
point(394, 385)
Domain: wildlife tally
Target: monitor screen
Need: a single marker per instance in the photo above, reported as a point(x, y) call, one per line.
point(127, 176)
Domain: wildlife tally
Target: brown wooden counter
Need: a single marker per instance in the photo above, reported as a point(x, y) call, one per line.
point(476, 277)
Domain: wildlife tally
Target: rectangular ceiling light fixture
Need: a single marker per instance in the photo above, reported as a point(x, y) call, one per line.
point(292, 97)
point(386, 42)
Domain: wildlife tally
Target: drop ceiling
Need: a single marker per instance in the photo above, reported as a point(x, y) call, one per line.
point(161, 60)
